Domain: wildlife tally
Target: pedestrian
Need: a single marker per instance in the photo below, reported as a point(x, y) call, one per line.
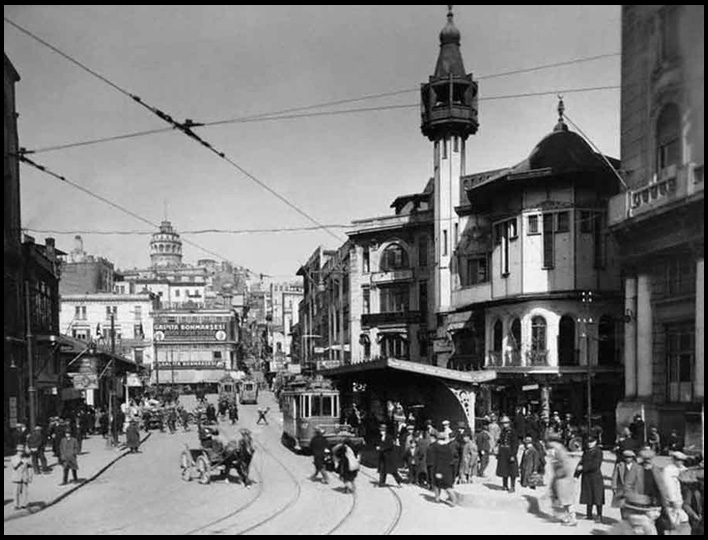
point(675, 442)
point(319, 447)
point(446, 429)
point(211, 414)
point(642, 492)
point(442, 462)
point(484, 449)
point(468, 459)
point(21, 476)
point(262, 415)
point(693, 497)
point(592, 488)
point(410, 447)
point(346, 463)
point(561, 488)
point(654, 440)
point(619, 479)
point(674, 518)
point(245, 453)
point(233, 413)
point(494, 431)
point(36, 443)
point(637, 429)
point(508, 448)
point(385, 446)
point(625, 441)
point(529, 468)
point(172, 419)
point(420, 461)
point(132, 437)
point(68, 452)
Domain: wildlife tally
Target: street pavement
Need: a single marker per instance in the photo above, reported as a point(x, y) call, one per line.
point(144, 494)
point(45, 490)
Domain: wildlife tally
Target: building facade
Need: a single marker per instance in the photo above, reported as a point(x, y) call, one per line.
point(85, 274)
point(14, 313)
point(658, 220)
point(194, 346)
point(285, 298)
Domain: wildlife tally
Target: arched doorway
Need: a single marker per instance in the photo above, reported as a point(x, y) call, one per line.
point(567, 353)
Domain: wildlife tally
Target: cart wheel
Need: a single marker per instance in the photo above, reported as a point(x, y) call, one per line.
point(186, 468)
point(204, 470)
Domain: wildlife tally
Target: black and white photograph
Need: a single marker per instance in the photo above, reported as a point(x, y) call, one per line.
point(353, 269)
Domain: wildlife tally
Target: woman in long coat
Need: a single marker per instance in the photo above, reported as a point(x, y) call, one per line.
point(530, 463)
point(562, 486)
point(132, 436)
point(346, 463)
point(442, 455)
point(592, 488)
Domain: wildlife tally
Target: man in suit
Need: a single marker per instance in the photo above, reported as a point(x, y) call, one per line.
point(508, 448)
point(385, 446)
point(619, 479)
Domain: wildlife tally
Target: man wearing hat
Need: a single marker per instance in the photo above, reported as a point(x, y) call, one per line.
point(508, 448)
point(619, 478)
point(21, 476)
point(385, 446)
point(592, 489)
point(36, 442)
point(642, 494)
point(675, 518)
point(446, 429)
point(319, 446)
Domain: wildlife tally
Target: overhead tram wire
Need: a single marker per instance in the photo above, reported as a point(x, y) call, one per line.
point(276, 114)
point(185, 127)
point(201, 231)
point(24, 159)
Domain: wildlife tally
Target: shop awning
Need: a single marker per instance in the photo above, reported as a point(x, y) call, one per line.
point(412, 367)
point(457, 321)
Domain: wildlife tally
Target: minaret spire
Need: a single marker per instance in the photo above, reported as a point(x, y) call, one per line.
point(561, 125)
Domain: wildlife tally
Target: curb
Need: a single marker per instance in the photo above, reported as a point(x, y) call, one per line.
point(24, 512)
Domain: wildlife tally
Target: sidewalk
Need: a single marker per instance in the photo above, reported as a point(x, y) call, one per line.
point(44, 491)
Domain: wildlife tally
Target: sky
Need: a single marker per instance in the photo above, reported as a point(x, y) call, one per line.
point(211, 63)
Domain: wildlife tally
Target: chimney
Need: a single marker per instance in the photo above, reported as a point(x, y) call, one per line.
point(50, 245)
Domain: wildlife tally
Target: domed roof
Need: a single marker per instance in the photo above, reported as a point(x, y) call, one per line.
point(562, 150)
point(450, 34)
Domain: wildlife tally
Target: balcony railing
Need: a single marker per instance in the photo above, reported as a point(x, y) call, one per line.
point(495, 359)
point(392, 276)
point(396, 317)
point(537, 358)
point(671, 184)
point(512, 358)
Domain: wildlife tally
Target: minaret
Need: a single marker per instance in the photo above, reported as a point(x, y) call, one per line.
point(166, 247)
point(449, 116)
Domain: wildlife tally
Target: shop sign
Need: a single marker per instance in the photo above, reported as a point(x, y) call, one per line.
point(214, 330)
point(84, 381)
point(528, 387)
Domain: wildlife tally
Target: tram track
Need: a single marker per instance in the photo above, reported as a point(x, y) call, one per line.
point(399, 506)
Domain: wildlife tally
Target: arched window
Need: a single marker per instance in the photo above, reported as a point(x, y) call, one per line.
point(515, 340)
point(497, 335)
point(566, 342)
point(668, 137)
point(394, 346)
point(607, 348)
point(394, 257)
point(538, 333)
point(161, 248)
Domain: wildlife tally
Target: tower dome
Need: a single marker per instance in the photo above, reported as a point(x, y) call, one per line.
point(450, 34)
point(166, 247)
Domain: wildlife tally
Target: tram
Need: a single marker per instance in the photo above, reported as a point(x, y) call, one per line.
point(307, 405)
point(228, 390)
point(249, 391)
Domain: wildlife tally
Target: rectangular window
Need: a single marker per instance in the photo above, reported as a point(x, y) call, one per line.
point(548, 240)
point(598, 240)
point(533, 225)
point(511, 229)
point(176, 293)
point(457, 235)
point(366, 299)
point(138, 331)
point(444, 246)
point(217, 355)
point(456, 143)
point(111, 310)
point(586, 220)
point(394, 299)
point(365, 260)
point(138, 311)
point(444, 148)
point(422, 251)
point(563, 222)
point(669, 33)
point(680, 358)
point(139, 356)
point(477, 270)
point(423, 299)
point(80, 313)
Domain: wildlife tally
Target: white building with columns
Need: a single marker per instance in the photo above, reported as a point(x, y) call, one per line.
point(658, 220)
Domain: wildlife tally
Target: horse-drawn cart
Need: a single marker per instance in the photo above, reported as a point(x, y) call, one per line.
point(215, 457)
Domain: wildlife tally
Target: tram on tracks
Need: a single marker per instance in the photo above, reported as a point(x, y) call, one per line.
point(307, 405)
point(249, 391)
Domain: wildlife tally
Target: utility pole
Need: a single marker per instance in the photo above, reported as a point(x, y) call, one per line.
point(341, 318)
point(112, 383)
point(31, 390)
point(587, 319)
